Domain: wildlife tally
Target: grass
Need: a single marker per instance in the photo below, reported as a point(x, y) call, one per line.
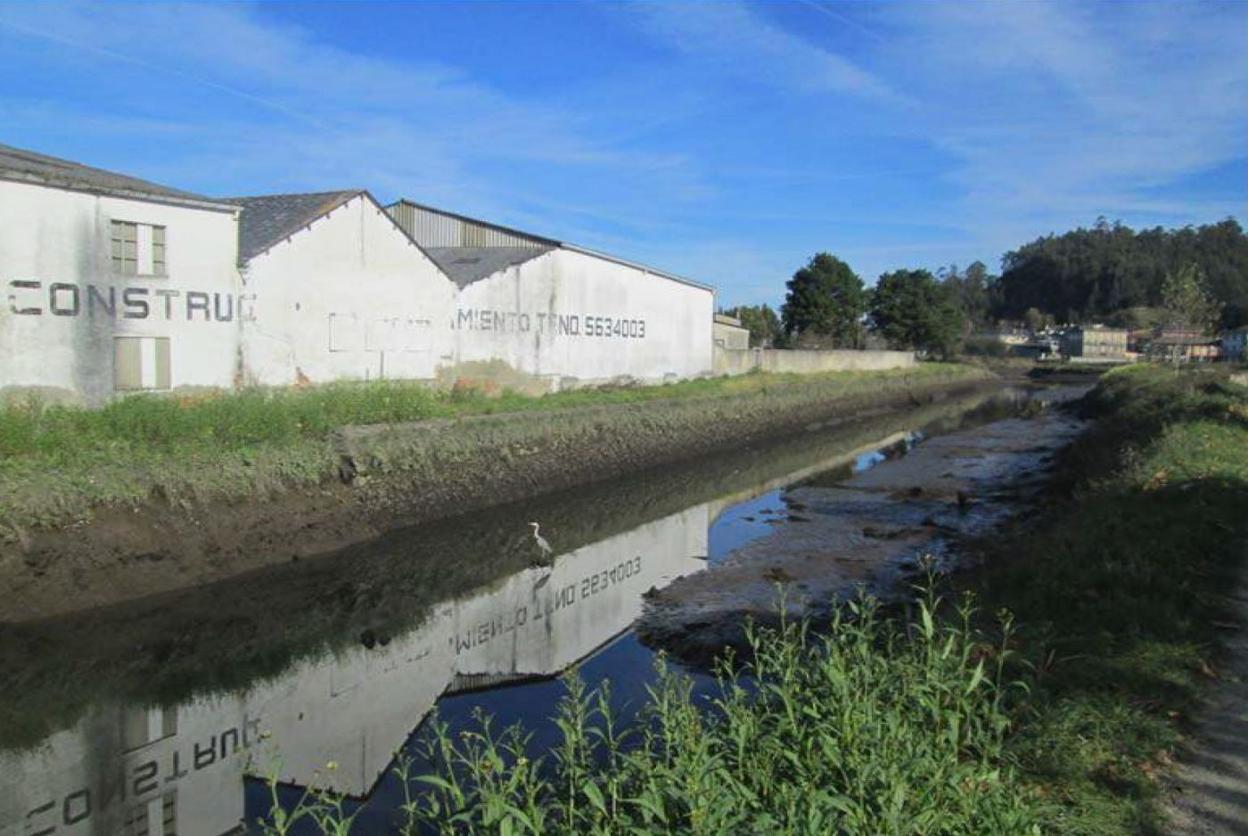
point(1116, 591)
point(58, 434)
point(58, 463)
point(1058, 719)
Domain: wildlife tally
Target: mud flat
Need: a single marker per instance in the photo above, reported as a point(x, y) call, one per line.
point(377, 479)
point(874, 530)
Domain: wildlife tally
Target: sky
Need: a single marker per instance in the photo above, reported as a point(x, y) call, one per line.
point(727, 142)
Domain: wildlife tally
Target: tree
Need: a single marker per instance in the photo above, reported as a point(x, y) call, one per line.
point(911, 309)
point(825, 299)
point(971, 291)
point(1091, 274)
point(1187, 303)
point(762, 321)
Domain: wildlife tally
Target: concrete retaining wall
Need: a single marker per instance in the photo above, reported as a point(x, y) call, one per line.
point(808, 362)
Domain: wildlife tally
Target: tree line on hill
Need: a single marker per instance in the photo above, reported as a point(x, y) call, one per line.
point(1190, 277)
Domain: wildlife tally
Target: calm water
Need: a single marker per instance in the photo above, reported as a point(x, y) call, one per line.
point(161, 716)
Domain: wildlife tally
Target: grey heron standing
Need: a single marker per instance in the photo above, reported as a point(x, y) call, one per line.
point(541, 541)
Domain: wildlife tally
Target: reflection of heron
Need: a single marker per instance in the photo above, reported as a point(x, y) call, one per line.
point(541, 541)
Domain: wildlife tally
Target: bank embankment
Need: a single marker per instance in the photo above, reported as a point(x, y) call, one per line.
point(124, 519)
point(1120, 585)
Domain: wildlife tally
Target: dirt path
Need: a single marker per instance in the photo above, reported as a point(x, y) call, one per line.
point(1209, 792)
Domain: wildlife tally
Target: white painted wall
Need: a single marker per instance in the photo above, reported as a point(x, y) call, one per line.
point(575, 315)
point(350, 297)
point(58, 237)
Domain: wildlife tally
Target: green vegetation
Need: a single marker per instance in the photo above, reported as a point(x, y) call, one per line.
point(909, 308)
point(1090, 274)
point(1056, 717)
point(874, 726)
point(1116, 591)
point(58, 461)
point(824, 305)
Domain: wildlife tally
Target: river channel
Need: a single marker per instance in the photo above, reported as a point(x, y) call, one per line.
point(164, 715)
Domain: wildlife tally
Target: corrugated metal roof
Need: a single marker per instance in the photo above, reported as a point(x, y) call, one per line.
point(32, 167)
point(466, 265)
point(437, 228)
point(269, 219)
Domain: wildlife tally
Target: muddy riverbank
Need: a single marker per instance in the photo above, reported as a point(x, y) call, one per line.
point(877, 529)
point(341, 658)
point(386, 477)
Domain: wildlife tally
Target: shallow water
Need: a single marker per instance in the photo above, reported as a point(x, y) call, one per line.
point(162, 713)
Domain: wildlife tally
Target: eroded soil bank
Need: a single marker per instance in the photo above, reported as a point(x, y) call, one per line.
point(836, 534)
point(391, 476)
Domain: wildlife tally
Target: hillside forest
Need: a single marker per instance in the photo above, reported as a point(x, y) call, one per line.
point(1108, 273)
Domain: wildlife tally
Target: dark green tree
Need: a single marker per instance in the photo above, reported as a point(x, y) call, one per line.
point(910, 309)
point(762, 321)
point(825, 301)
point(1092, 274)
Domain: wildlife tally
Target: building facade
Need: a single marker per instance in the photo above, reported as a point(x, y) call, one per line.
point(1095, 342)
point(557, 313)
point(113, 284)
point(117, 285)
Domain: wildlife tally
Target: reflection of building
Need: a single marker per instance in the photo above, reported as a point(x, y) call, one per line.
point(153, 771)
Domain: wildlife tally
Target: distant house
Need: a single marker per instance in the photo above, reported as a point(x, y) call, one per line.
point(1095, 342)
point(729, 334)
point(1185, 346)
point(1235, 343)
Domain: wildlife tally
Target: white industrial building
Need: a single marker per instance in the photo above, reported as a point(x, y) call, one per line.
point(112, 284)
point(115, 284)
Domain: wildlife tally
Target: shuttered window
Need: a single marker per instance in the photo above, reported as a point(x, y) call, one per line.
point(138, 249)
point(141, 363)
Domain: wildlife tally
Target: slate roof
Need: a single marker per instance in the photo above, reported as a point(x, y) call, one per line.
point(465, 265)
point(32, 167)
point(268, 219)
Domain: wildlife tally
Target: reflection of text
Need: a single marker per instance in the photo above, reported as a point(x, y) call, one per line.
point(140, 780)
point(555, 600)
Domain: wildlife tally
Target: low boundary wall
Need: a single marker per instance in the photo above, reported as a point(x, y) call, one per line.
point(782, 360)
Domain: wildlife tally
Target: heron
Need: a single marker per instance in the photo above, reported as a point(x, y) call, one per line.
point(541, 541)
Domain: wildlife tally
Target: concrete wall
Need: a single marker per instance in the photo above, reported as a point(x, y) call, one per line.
point(808, 362)
point(65, 304)
point(350, 297)
point(571, 317)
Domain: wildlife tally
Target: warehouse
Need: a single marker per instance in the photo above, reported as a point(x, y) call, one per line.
point(558, 312)
point(117, 285)
point(113, 284)
point(340, 291)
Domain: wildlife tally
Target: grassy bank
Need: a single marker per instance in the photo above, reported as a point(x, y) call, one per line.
point(57, 462)
point(1117, 591)
point(1056, 717)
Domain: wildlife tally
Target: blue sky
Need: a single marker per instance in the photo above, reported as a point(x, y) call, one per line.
point(724, 141)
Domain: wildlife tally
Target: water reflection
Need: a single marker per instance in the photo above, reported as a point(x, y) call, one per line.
point(145, 718)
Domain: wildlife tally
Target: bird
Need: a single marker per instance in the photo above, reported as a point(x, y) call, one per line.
point(541, 541)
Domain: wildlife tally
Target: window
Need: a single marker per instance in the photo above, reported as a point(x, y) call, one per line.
point(138, 249)
point(140, 363)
